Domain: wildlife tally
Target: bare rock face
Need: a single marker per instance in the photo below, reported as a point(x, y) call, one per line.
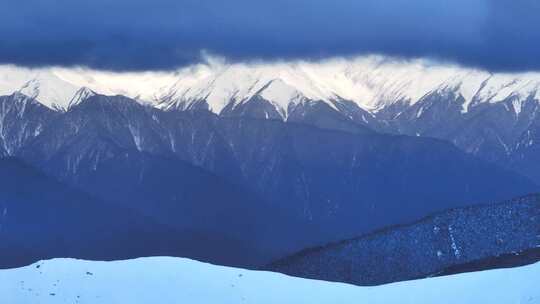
point(22, 119)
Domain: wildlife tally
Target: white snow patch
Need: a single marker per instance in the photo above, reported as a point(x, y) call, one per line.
point(517, 104)
point(455, 248)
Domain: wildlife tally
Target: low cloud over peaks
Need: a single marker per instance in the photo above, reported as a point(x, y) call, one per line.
point(164, 34)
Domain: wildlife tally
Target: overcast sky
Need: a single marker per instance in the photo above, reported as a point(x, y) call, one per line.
point(498, 35)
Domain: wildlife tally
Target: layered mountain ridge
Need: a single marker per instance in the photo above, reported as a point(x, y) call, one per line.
point(494, 116)
point(235, 177)
point(292, 143)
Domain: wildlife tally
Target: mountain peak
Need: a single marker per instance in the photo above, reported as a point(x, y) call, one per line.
point(80, 96)
point(280, 94)
point(31, 88)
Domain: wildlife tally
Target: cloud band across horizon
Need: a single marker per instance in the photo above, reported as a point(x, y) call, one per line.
point(496, 35)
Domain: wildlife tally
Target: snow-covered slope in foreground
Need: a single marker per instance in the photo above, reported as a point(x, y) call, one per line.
point(177, 280)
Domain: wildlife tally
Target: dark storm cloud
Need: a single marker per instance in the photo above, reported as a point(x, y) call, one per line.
point(164, 34)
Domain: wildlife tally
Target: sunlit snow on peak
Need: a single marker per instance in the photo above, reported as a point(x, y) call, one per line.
point(372, 82)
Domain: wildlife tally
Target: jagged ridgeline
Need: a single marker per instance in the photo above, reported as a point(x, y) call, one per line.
point(480, 237)
point(494, 116)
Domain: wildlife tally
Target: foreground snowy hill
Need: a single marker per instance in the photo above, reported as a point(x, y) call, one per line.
point(177, 280)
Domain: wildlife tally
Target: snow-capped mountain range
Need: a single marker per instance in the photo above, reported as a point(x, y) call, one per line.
point(495, 116)
point(372, 83)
